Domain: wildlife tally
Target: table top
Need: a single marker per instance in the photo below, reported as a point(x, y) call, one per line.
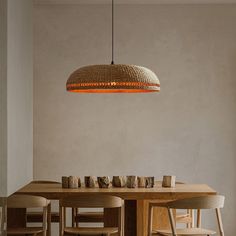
point(55, 191)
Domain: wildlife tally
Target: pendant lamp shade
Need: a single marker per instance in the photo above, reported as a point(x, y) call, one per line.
point(114, 78)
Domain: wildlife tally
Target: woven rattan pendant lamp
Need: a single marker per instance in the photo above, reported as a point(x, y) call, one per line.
point(113, 78)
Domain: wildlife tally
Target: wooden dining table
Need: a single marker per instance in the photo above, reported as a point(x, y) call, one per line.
point(136, 202)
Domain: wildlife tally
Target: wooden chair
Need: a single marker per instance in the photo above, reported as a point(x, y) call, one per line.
point(86, 217)
point(53, 216)
point(186, 216)
point(88, 201)
point(37, 216)
point(198, 203)
point(27, 201)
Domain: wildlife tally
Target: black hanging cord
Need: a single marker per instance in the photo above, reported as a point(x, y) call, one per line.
point(112, 34)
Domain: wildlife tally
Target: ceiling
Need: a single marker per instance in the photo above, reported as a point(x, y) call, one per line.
point(135, 1)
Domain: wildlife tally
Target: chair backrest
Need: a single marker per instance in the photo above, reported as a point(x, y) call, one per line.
point(26, 201)
point(89, 201)
point(45, 182)
point(204, 202)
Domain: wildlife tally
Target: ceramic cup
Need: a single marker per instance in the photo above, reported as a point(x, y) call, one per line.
point(119, 181)
point(90, 181)
point(65, 182)
point(103, 182)
point(168, 181)
point(132, 181)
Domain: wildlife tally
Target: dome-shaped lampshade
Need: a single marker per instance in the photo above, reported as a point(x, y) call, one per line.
point(113, 78)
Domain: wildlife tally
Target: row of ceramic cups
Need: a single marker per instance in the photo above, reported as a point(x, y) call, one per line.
point(130, 181)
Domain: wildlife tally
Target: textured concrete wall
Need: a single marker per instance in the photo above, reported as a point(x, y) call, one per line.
point(187, 130)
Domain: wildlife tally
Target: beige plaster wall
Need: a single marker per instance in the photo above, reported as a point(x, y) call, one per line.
point(3, 99)
point(20, 94)
point(187, 130)
point(16, 160)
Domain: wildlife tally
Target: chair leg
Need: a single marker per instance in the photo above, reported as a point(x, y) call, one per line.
point(150, 214)
point(49, 220)
point(120, 221)
point(62, 221)
point(199, 218)
point(123, 219)
point(172, 223)
point(45, 220)
point(73, 217)
point(192, 224)
point(189, 214)
point(219, 220)
point(76, 213)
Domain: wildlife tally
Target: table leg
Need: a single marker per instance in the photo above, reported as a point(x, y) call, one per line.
point(111, 217)
point(130, 218)
point(142, 215)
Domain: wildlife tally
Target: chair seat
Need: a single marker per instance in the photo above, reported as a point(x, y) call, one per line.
point(90, 217)
point(191, 231)
point(21, 231)
point(90, 230)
